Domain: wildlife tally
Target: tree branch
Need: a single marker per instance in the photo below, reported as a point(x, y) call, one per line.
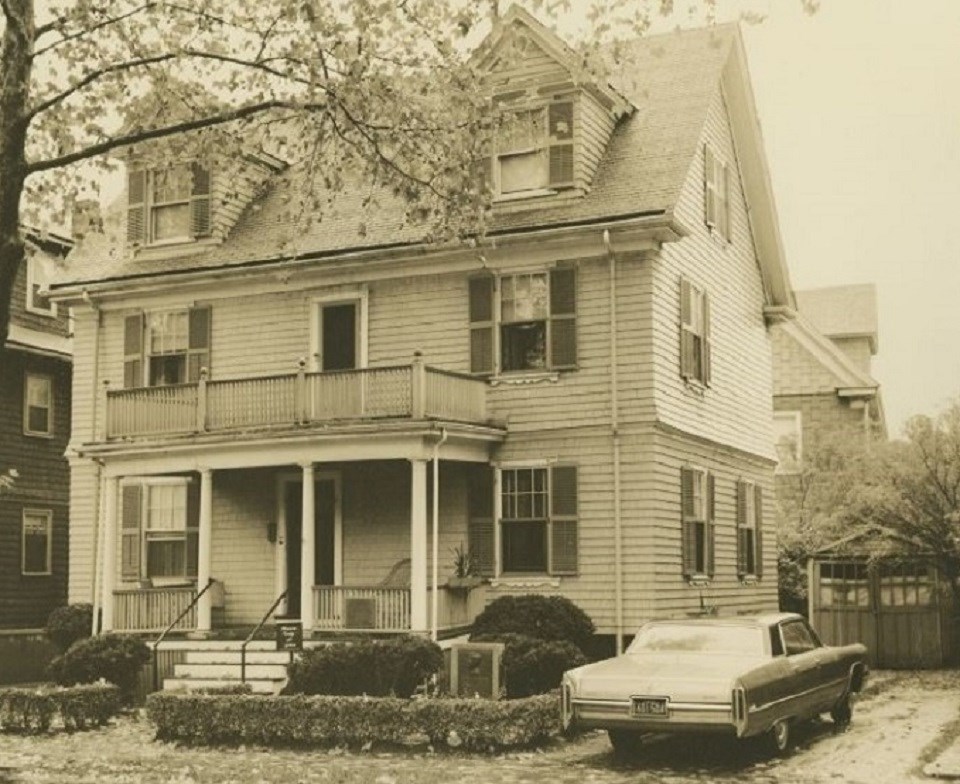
point(66, 37)
point(94, 76)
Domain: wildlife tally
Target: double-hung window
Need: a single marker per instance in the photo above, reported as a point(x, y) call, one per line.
point(173, 345)
point(159, 529)
point(36, 552)
point(716, 193)
point(695, 342)
point(749, 529)
point(168, 205)
point(523, 322)
point(38, 276)
point(697, 522)
point(37, 405)
point(538, 520)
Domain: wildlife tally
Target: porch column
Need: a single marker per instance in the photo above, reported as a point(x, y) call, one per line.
point(109, 554)
point(418, 545)
point(204, 542)
point(307, 549)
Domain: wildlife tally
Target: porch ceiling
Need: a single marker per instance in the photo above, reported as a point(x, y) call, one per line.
point(410, 440)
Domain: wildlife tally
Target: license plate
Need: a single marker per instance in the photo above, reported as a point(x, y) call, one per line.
point(649, 706)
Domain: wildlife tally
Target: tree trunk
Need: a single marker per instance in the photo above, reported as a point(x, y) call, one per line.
point(15, 64)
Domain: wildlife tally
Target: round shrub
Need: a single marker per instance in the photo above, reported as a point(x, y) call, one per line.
point(116, 658)
point(374, 667)
point(70, 623)
point(533, 666)
point(532, 615)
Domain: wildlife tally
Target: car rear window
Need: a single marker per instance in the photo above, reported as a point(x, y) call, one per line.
point(696, 638)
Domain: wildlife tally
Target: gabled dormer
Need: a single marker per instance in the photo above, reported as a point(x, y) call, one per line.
point(182, 204)
point(552, 118)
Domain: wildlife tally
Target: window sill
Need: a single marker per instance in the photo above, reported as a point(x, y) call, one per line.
point(30, 434)
point(167, 248)
point(698, 580)
point(525, 581)
point(695, 386)
point(748, 579)
point(506, 198)
point(36, 574)
point(50, 314)
point(526, 377)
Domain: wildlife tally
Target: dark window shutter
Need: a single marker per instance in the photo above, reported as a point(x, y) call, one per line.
point(687, 364)
point(133, 351)
point(688, 525)
point(560, 131)
point(198, 353)
point(705, 344)
point(131, 511)
point(710, 533)
point(563, 318)
point(136, 207)
point(480, 539)
point(200, 202)
point(563, 520)
point(481, 325)
point(724, 217)
point(742, 539)
point(193, 524)
point(758, 535)
point(709, 204)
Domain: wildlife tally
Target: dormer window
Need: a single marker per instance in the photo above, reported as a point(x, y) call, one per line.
point(534, 151)
point(169, 205)
point(38, 276)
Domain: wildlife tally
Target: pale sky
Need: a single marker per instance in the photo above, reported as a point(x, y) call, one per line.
point(860, 109)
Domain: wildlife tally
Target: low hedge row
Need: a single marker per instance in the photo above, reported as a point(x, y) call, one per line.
point(476, 725)
point(78, 707)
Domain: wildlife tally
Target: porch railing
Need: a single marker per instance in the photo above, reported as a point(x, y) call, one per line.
point(151, 609)
point(415, 391)
point(382, 609)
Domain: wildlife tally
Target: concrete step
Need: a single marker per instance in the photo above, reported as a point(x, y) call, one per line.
point(230, 672)
point(257, 685)
point(212, 656)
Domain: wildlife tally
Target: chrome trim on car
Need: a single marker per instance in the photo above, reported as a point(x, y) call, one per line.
point(774, 703)
point(718, 707)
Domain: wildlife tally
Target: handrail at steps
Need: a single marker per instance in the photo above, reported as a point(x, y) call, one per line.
point(258, 627)
point(163, 634)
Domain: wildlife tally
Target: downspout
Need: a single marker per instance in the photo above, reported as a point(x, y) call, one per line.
point(434, 598)
point(615, 435)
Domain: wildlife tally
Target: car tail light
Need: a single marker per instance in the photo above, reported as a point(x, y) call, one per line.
point(738, 702)
point(566, 706)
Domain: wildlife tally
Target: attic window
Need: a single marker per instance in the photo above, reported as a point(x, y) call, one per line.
point(534, 150)
point(168, 205)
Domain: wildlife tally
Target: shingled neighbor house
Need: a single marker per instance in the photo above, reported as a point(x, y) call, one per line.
point(35, 376)
point(583, 399)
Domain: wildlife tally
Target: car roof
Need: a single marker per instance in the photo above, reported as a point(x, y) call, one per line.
point(760, 619)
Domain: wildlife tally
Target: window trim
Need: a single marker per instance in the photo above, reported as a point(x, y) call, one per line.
point(145, 483)
point(359, 295)
point(147, 238)
point(749, 519)
point(706, 519)
point(797, 417)
point(146, 343)
point(49, 433)
point(33, 266)
point(48, 515)
point(716, 184)
point(687, 327)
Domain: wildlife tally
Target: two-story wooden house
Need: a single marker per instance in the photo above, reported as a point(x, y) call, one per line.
point(582, 398)
point(35, 376)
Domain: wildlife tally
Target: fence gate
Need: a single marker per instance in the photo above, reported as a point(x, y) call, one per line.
point(892, 608)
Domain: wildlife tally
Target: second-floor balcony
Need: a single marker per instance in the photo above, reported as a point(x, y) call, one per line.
point(413, 391)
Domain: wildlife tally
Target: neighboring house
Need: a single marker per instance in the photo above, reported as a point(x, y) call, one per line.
point(35, 396)
point(595, 380)
point(822, 371)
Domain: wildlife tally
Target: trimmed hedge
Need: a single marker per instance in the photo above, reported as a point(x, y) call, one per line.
point(78, 707)
point(394, 667)
point(532, 615)
point(66, 625)
point(475, 725)
point(116, 658)
point(533, 666)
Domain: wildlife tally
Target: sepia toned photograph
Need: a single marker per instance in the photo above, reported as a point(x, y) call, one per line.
point(513, 391)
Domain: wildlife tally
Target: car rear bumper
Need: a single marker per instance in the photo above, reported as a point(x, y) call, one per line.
point(586, 713)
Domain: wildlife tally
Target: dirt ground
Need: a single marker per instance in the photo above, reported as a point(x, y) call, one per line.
point(897, 728)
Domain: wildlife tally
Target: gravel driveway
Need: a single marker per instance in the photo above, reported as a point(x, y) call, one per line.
point(895, 730)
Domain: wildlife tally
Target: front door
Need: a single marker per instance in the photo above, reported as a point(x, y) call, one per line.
point(325, 537)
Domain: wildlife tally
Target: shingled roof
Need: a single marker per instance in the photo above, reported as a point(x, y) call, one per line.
point(670, 78)
point(842, 311)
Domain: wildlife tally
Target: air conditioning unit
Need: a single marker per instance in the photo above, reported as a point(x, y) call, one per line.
point(360, 613)
point(476, 669)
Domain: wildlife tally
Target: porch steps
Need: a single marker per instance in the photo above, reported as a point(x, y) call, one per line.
point(218, 664)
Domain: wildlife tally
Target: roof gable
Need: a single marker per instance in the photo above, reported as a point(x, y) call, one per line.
point(842, 311)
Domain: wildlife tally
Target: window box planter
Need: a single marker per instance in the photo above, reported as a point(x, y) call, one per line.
point(464, 583)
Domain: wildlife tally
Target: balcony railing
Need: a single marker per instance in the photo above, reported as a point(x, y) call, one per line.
point(414, 391)
point(151, 609)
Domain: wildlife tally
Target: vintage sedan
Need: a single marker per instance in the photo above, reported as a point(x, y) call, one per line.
point(746, 676)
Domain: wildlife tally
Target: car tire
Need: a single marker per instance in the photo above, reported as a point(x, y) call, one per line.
point(779, 737)
point(842, 712)
point(624, 742)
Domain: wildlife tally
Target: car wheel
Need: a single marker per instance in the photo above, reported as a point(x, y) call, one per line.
point(842, 711)
point(779, 737)
point(624, 742)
